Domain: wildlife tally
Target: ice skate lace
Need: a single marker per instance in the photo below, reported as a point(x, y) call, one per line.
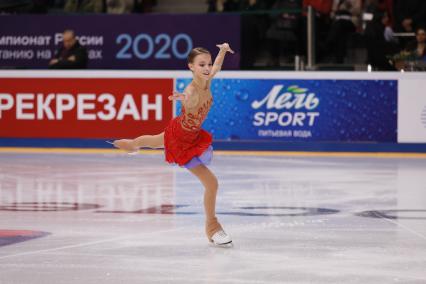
point(221, 234)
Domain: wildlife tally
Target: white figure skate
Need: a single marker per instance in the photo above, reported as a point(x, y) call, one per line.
point(129, 153)
point(222, 239)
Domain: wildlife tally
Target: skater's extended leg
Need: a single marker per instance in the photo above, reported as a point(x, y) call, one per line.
point(144, 141)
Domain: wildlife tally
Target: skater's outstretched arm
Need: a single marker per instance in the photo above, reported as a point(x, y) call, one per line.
point(187, 98)
point(217, 65)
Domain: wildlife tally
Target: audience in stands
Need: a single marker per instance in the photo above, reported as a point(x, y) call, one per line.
point(279, 26)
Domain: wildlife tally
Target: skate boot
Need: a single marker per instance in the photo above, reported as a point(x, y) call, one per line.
point(220, 238)
point(216, 234)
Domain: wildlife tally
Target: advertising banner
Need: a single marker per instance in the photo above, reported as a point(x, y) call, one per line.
point(302, 110)
point(412, 111)
point(83, 107)
point(117, 41)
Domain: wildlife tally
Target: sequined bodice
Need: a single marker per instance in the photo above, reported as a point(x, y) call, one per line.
point(191, 119)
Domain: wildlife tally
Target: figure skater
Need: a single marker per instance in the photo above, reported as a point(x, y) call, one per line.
point(184, 141)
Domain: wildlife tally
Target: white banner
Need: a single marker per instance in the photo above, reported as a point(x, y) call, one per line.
point(412, 111)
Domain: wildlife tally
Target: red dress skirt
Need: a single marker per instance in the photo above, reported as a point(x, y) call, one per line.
point(182, 145)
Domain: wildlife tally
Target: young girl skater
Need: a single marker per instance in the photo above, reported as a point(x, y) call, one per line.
point(184, 141)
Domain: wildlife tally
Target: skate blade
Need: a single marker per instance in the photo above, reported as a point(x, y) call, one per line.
point(129, 153)
point(225, 245)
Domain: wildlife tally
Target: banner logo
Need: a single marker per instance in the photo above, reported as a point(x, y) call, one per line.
point(423, 117)
point(293, 106)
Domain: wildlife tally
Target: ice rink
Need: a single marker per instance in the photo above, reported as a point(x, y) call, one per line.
point(115, 218)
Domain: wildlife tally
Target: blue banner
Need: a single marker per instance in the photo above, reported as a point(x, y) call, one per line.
point(302, 110)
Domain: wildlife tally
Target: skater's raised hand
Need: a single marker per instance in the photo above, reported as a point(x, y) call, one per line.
point(178, 97)
point(217, 65)
point(225, 47)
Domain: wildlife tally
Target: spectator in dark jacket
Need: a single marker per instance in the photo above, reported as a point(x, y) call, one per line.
point(380, 43)
point(343, 25)
point(409, 14)
point(71, 55)
point(418, 47)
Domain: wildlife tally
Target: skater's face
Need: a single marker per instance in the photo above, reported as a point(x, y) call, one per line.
point(201, 66)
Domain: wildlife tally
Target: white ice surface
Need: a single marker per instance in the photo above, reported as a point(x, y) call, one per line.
point(128, 240)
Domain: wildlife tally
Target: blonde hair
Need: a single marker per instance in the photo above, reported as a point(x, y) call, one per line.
point(196, 51)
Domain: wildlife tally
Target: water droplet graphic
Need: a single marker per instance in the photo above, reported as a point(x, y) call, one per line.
point(241, 95)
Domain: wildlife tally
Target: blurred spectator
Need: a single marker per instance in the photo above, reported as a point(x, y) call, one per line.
point(409, 14)
point(282, 35)
point(39, 7)
point(253, 27)
point(71, 55)
point(223, 5)
point(373, 6)
point(119, 6)
point(84, 6)
point(345, 19)
point(231, 5)
point(239, 5)
point(344, 8)
point(212, 7)
point(380, 42)
point(23, 6)
point(144, 6)
point(418, 47)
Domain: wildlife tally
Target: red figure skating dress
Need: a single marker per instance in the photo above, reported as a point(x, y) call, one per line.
point(185, 143)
